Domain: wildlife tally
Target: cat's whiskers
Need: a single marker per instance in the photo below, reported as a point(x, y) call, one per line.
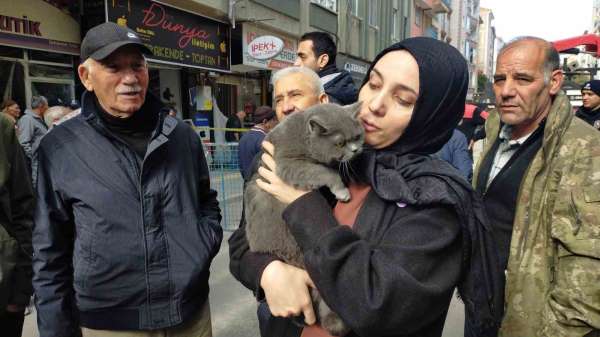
point(352, 170)
point(341, 168)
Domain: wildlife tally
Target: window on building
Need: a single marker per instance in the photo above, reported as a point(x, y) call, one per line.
point(353, 7)
point(12, 82)
point(418, 17)
point(395, 18)
point(36, 55)
point(374, 13)
point(11, 52)
point(329, 4)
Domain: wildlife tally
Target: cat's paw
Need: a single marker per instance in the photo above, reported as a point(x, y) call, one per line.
point(342, 194)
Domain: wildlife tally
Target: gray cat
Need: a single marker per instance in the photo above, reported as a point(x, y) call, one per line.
point(308, 145)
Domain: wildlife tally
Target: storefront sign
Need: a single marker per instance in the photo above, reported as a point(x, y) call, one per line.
point(175, 36)
point(265, 47)
point(42, 25)
point(284, 58)
point(357, 68)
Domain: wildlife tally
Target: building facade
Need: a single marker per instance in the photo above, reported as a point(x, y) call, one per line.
point(39, 45)
point(485, 46)
point(211, 57)
point(431, 18)
point(464, 34)
point(596, 17)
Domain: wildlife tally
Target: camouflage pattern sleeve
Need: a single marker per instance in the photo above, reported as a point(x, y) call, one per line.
point(572, 307)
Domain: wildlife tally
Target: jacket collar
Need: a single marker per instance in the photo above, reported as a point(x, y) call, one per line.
point(90, 113)
point(165, 125)
point(328, 70)
point(558, 121)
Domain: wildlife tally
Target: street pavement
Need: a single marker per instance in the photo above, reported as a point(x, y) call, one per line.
point(233, 307)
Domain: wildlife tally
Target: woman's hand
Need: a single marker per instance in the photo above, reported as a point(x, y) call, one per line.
point(287, 291)
point(271, 183)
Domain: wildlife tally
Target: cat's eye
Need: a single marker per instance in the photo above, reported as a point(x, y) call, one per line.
point(340, 144)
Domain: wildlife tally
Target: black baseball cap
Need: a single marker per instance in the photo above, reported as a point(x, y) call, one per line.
point(593, 85)
point(102, 40)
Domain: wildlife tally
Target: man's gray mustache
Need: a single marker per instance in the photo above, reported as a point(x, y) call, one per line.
point(130, 90)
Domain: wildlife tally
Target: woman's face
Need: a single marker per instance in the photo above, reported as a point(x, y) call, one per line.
point(389, 98)
point(13, 110)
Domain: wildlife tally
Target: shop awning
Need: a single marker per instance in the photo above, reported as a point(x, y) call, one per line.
point(591, 42)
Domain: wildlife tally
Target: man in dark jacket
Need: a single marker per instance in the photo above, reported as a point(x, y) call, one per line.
point(590, 110)
point(126, 223)
point(317, 51)
point(264, 120)
point(16, 220)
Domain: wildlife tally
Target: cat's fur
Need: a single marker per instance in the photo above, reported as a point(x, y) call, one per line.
point(309, 147)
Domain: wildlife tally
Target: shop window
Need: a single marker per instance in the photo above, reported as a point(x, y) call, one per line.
point(224, 96)
point(12, 82)
point(329, 4)
point(11, 52)
point(418, 17)
point(36, 55)
point(154, 82)
point(354, 7)
point(56, 93)
point(41, 70)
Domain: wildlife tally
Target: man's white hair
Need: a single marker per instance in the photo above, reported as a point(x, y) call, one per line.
point(55, 113)
point(313, 78)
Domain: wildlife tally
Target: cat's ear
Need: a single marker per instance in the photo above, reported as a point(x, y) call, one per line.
point(316, 125)
point(353, 109)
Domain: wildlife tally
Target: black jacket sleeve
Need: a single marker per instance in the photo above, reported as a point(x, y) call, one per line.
point(21, 207)
point(246, 266)
point(399, 283)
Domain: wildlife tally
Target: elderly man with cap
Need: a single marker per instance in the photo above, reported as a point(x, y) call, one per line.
point(590, 110)
point(126, 225)
point(264, 120)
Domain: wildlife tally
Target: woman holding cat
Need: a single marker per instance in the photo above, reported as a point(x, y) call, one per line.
point(387, 261)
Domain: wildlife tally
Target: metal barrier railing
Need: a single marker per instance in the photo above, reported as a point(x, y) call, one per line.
point(226, 179)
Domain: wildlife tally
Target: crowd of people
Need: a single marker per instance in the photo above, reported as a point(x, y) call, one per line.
point(110, 220)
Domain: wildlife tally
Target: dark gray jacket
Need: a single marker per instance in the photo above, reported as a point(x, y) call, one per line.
point(122, 246)
point(341, 89)
point(16, 219)
point(31, 130)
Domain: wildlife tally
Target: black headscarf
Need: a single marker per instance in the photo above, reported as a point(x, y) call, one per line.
point(404, 172)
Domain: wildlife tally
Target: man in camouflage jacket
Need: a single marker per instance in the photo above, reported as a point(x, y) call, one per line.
point(549, 234)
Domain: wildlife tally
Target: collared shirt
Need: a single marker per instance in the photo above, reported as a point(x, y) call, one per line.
point(507, 148)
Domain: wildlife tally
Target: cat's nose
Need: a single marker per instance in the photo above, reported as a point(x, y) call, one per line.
point(354, 148)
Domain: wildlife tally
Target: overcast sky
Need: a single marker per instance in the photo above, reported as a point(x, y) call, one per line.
point(549, 19)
